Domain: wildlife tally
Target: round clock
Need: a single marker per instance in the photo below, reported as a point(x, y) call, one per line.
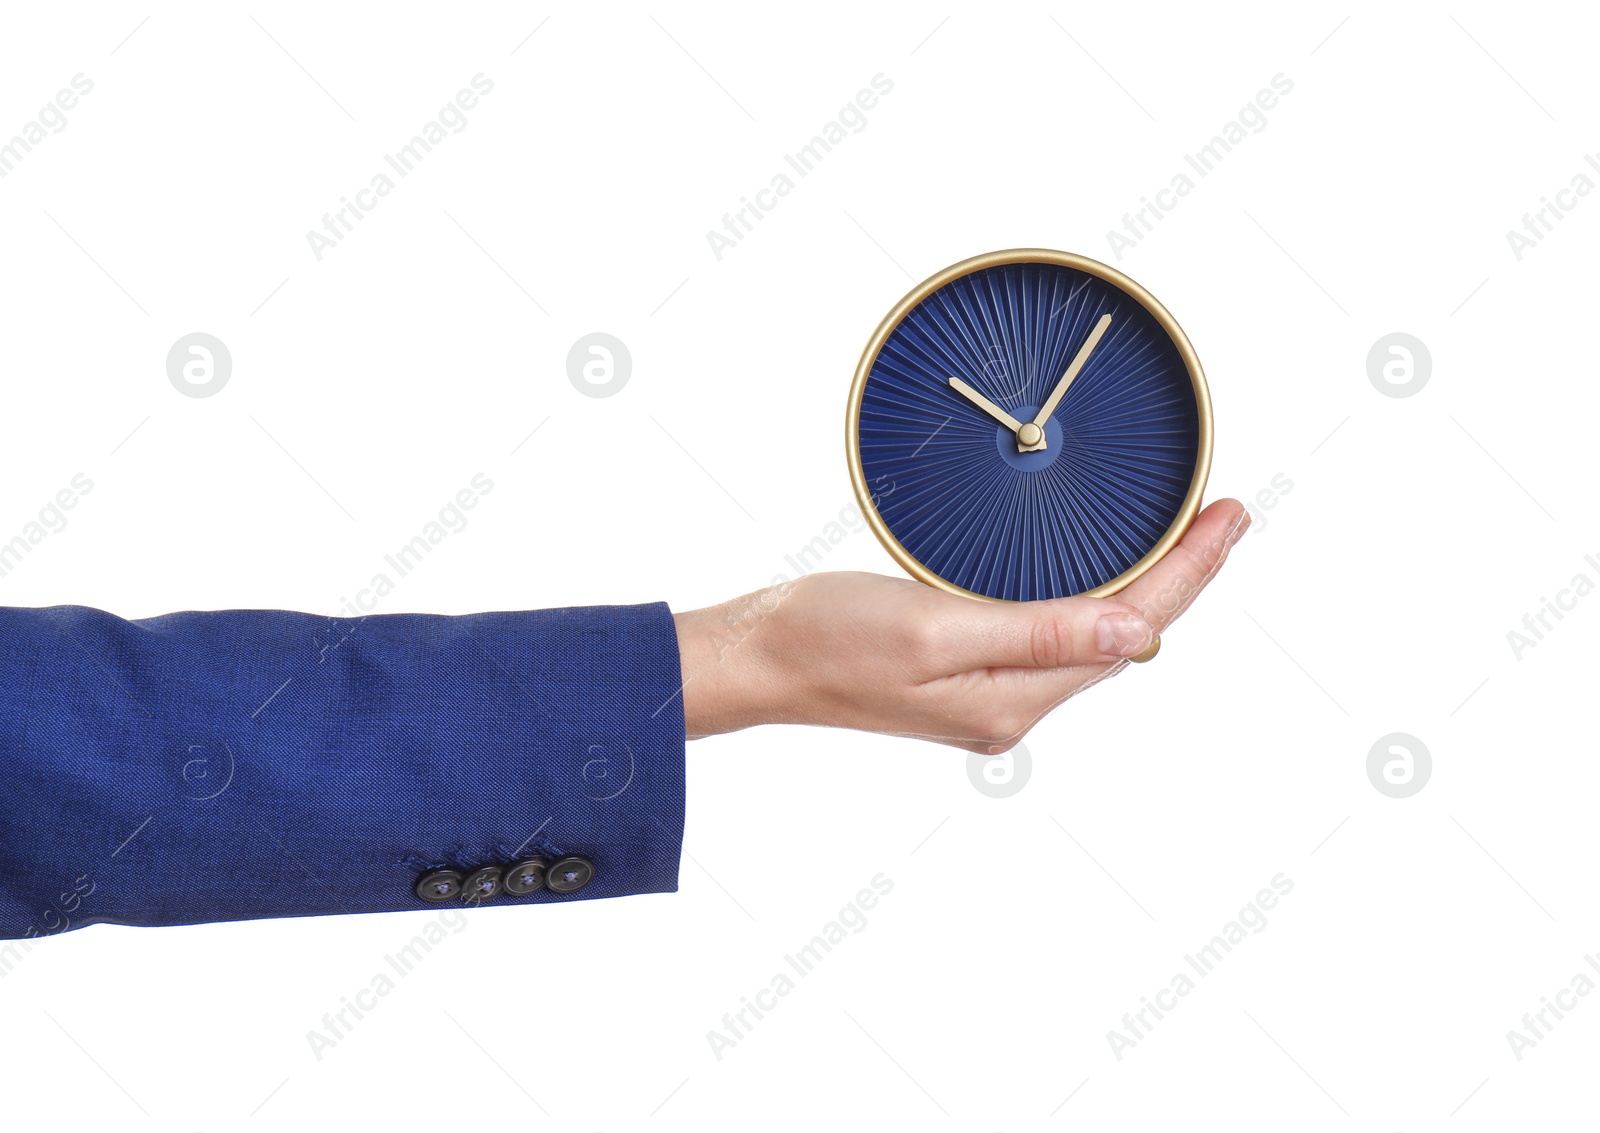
point(1029, 424)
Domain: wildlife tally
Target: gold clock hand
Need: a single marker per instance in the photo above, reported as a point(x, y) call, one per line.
point(1066, 379)
point(986, 405)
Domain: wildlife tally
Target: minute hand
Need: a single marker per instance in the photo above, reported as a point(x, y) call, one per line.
point(1072, 371)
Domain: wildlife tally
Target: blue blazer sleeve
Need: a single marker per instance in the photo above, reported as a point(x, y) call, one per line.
point(250, 763)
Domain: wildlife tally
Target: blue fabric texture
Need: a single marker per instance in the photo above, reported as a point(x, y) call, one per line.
point(212, 766)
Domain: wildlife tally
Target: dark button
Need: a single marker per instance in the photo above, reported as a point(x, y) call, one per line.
point(439, 885)
point(482, 884)
point(524, 877)
point(569, 874)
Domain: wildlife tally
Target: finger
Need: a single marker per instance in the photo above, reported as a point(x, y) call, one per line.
point(1161, 594)
point(1064, 632)
point(1166, 589)
point(1052, 634)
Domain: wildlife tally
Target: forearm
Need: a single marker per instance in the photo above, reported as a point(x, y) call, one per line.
point(236, 764)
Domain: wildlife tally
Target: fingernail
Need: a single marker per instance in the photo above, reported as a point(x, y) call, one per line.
point(1239, 526)
point(1122, 635)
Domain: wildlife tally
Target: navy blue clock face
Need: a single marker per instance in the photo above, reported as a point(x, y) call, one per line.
point(1029, 430)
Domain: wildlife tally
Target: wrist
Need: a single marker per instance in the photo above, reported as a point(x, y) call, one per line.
point(730, 676)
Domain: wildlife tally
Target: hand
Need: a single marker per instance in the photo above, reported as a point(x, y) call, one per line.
point(852, 650)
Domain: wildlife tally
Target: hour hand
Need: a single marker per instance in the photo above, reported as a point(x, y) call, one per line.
point(991, 408)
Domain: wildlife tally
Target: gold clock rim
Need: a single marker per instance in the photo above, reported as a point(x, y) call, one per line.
point(1197, 379)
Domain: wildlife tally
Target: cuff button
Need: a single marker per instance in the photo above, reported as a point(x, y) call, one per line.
point(439, 885)
point(482, 884)
point(524, 877)
point(569, 874)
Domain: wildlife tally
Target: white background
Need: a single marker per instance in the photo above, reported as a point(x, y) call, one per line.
point(369, 387)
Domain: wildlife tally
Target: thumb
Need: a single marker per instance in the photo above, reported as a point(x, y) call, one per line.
point(1054, 634)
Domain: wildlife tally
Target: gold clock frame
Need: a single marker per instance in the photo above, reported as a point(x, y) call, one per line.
point(1202, 396)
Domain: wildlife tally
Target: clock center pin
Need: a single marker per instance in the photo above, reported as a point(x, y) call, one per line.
point(1030, 447)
